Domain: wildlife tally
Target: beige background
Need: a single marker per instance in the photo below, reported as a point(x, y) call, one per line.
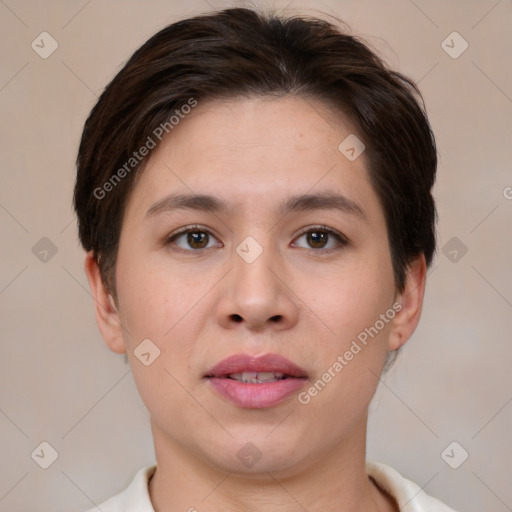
point(59, 383)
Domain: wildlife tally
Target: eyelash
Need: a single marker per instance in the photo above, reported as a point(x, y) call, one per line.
point(341, 240)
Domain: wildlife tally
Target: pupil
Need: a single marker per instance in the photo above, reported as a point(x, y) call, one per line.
point(318, 237)
point(193, 238)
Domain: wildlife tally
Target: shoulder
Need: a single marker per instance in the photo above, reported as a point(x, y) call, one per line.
point(135, 498)
point(409, 496)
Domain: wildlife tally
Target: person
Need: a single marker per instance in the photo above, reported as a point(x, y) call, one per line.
point(254, 198)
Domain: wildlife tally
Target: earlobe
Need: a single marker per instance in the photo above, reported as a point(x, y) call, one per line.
point(107, 316)
point(411, 301)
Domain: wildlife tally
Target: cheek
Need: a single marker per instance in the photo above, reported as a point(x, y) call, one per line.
point(355, 306)
point(351, 298)
point(155, 300)
point(349, 362)
point(157, 305)
point(165, 305)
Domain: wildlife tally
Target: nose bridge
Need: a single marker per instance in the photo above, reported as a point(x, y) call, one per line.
point(256, 263)
point(257, 250)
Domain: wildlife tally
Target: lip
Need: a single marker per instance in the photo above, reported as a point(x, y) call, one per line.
point(247, 363)
point(251, 395)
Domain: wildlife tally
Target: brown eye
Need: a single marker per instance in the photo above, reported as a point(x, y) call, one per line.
point(317, 239)
point(191, 239)
point(197, 237)
point(320, 237)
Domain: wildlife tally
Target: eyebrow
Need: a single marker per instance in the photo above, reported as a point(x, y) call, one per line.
point(297, 203)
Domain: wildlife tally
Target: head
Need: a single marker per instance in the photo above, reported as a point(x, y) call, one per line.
point(252, 109)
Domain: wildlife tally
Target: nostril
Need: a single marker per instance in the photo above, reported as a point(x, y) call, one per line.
point(237, 318)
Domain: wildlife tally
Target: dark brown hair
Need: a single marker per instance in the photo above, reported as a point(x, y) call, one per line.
point(240, 52)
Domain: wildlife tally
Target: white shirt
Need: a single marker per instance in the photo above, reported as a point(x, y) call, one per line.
point(408, 495)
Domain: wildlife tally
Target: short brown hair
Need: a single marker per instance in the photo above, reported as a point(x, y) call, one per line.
point(240, 52)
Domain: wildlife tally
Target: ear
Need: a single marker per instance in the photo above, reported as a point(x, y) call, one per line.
point(107, 316)
point(411, 301)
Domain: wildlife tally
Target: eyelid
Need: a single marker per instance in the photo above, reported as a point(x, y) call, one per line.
point(186, 229)
point(342, 240)
point(320, 227)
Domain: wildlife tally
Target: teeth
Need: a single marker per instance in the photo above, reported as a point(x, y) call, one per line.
point(256, 377)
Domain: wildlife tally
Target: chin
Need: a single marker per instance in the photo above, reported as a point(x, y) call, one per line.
point(254, 452)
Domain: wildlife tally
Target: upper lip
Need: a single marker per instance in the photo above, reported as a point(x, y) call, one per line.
point(239, 363)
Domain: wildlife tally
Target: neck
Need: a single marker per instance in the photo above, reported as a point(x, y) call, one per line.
point(330, 482)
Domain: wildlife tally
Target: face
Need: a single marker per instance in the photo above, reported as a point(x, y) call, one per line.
point(282, 284)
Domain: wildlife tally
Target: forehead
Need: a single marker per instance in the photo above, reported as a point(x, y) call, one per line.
point(250, 150)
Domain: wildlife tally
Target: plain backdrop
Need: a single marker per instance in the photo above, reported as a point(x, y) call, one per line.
point(59, 384)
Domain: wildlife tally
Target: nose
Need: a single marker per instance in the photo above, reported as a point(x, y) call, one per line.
point(258, 295)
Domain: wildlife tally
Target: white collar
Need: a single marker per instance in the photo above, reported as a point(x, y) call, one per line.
point(409, 496)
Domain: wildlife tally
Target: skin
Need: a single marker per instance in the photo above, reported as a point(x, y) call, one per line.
point(253, 153)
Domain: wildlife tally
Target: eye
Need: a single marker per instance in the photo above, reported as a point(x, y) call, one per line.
point(193, 237)
point(318, 237)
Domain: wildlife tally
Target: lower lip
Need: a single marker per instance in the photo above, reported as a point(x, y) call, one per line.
point(257, 396)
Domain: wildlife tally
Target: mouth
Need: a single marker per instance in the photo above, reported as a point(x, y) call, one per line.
point(257, 377)
point(262, 368)
point(256, 382)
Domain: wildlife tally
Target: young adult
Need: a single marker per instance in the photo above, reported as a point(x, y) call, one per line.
point(254, 196)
